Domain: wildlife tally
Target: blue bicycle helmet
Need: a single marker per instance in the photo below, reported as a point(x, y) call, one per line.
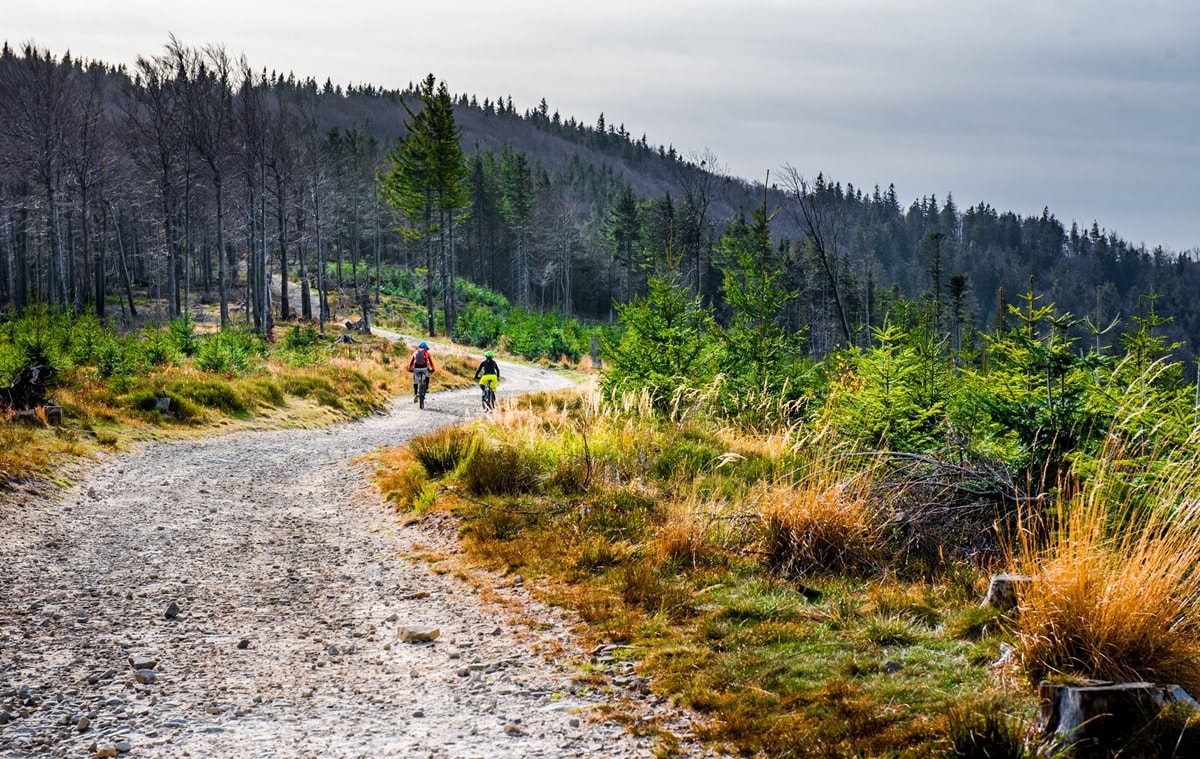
point(423, 345)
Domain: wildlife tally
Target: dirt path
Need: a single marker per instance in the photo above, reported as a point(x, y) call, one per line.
point(262, 587)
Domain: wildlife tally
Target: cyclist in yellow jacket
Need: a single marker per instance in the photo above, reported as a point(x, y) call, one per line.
point(488, 375)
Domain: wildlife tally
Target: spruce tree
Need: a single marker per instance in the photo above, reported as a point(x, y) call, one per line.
point(426, 184)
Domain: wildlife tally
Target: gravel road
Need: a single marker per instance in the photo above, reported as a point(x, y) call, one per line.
point(250, 595)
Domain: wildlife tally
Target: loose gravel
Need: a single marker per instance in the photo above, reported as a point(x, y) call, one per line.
point(250, 595)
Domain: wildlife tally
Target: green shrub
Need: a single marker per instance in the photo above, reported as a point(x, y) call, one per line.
point(265, 390)
point(12, 360)
point(301, 336)
point(305, 385)
point(84, 337)
point(474, 294)
point(182, 334)
point(156, 348)
point(145, 402)
point(301, 357)
point(229, 352)
point(478, 326)
point(221, 396)
point(314, 387)
point(666, 344)
point(549, 335)
point(40, 337)
point(114, 359)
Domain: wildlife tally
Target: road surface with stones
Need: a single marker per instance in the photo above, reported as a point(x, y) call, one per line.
point(247, 595)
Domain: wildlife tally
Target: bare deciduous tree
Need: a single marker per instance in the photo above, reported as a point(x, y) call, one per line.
point(37, 103)
point(824, 224)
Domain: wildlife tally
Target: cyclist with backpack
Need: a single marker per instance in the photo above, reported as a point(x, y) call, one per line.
point(421, 365)
point(488, 376)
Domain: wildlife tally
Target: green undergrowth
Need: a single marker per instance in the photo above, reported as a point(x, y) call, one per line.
point(180, 378)
point(812, 601)
point(708, 552)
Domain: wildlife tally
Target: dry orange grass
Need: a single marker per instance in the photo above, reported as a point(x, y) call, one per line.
point(827, 522)
point(400, 477)
point(697, 530)
point(1116, 591)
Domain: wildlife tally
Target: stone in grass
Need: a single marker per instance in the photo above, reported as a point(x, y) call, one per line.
point(414, 634)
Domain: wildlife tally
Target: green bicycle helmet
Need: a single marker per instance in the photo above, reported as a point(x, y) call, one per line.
point(489, 354)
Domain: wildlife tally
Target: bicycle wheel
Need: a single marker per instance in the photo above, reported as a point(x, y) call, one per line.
point(489, 399)
point(421, 393)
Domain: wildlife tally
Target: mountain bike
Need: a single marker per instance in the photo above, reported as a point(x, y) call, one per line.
point(422, 378)
point(489, 398)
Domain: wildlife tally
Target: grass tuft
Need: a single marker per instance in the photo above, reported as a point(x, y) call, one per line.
point(441, 452)
point(891, 630)
point(983, 730)
point(645, 584)
point(820, 525)
point(501, 469)
point(403, 480)
point(1116, 592)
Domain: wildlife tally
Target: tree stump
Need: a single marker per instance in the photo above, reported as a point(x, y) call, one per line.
point(1102, 715)
point(1004, 589)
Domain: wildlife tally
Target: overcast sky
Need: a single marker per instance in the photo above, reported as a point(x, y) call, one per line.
point(1089, 107)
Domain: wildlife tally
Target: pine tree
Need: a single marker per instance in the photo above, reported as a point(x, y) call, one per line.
point(517, 207)
point(758, 345)
point(426, 183)
point(664, 345)
point(624, 230)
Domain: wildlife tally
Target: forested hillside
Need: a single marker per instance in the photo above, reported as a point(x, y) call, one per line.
point(822, 420)
point(197, 177)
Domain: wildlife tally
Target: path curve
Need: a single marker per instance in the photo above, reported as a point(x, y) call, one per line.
point(267, 583)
